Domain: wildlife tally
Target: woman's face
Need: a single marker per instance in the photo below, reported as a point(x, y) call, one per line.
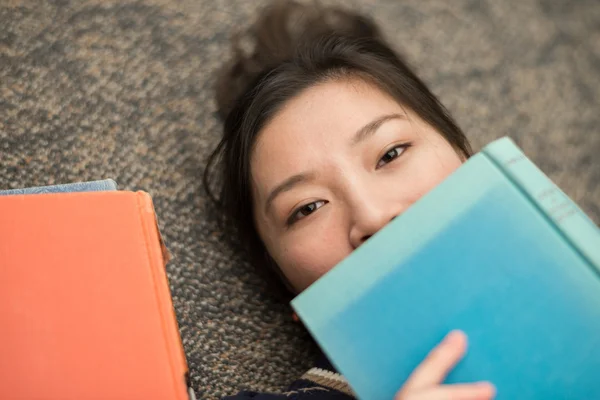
point(335, 165)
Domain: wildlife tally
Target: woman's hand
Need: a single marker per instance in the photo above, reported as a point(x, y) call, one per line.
point(425, 383)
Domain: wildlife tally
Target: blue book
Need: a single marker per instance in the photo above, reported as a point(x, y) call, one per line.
point(496, 250)
point(91, 186)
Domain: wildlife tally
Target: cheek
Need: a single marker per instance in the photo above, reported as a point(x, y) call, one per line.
point(307, 256)
point(433, 170)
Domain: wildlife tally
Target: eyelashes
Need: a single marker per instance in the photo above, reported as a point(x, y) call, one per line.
point(305, 210)
point(391, 154)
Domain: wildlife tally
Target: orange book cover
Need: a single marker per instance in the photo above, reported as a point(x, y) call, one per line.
point(85, 305)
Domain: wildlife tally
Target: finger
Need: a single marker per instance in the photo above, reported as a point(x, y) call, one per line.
point(437, 364)
point(472, 391)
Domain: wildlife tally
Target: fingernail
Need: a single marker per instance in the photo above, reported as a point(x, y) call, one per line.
point(455, 335)
point(489, 388)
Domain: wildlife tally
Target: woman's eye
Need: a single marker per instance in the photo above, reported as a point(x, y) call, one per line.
point(392, 154)
point(306, 210)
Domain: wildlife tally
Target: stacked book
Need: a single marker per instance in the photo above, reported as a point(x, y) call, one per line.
point(85, 305)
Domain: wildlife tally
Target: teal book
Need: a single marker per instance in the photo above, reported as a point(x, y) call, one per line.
point(496, 250)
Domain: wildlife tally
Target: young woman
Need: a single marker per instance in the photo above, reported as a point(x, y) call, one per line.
point(328, 136)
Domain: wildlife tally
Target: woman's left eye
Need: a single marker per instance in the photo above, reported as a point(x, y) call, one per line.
point(392, 154)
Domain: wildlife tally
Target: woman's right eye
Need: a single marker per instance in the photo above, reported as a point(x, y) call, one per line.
point(305, 211)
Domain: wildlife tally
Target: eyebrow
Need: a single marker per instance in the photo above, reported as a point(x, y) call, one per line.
point(288, 184)
point(370, 128)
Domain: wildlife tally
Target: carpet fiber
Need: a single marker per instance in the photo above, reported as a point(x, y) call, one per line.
point(123, 89)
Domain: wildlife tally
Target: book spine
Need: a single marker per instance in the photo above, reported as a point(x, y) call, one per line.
point(561, 212)
point(158, 260)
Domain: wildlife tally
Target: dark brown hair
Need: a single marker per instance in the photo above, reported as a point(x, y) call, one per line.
point(290, 48)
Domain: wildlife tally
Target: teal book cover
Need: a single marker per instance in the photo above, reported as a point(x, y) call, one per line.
point(496, 250)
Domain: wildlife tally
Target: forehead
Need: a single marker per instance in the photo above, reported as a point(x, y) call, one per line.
point(313, 124)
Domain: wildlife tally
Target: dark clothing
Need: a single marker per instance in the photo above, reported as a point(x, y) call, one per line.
point(319, 383)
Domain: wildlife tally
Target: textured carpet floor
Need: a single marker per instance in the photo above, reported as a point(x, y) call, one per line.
point(123, 89)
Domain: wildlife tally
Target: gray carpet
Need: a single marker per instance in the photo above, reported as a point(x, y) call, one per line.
point(122, 89)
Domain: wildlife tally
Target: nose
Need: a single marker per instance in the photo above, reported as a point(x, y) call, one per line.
point(369, 216)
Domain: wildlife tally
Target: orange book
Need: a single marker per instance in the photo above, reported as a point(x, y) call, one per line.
point(85, 306)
